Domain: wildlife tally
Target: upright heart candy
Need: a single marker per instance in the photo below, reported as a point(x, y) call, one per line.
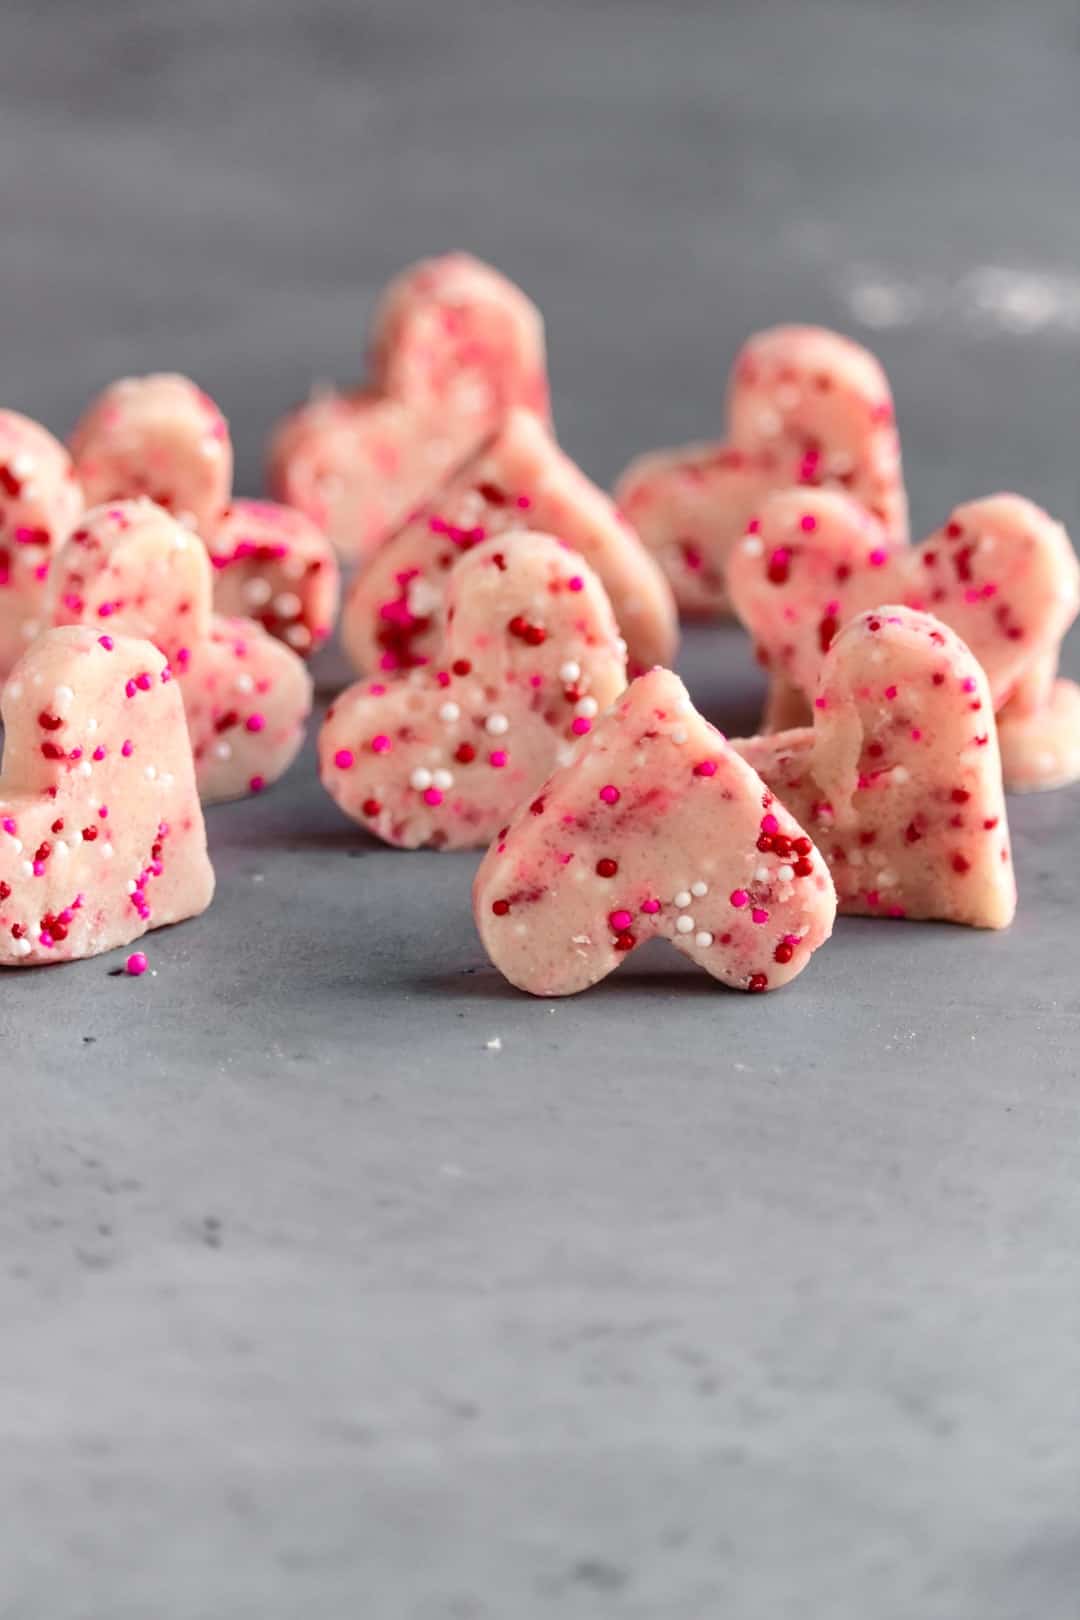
point(805, 406)
point(101, 834)
point(455, 345)
point(1000, 572)
point(158, 436)
point(654, 830)
point(272, 564)
point(521, 480)
point(899, 778)
point(132, 569)
point(40, 501)
point(531, 653)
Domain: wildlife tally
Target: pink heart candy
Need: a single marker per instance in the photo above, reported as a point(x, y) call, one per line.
point(273, 565)
point(520, 480)
point(652, 831)
point(805, 407)
point(899, 778)
point(1000, 572)
point(40, 500)
point(531, 654)
point(130, 568)
point(101, 832)
point(455, 345)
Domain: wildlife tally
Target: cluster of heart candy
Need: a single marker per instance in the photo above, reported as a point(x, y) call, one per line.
point(153, 632)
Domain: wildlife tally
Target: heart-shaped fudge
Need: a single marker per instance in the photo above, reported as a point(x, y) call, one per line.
point(40, 501)
point(441, 757)
point(273, 565)
point(454, 346)
point(1001, 573)
point(158, 436)
point(521, 480)
point(101, 832)
point(131, 568)
point(656, 828)
point(805, 407)
point(899, 778)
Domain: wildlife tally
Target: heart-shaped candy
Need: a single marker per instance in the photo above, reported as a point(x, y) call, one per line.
point(1000, 572)
point(805, 406)
point(655, 829)
point(521, 480)
point(454, 346)
point(159, 436)
point(273, 565)
point(131, 568)
point(899, 779)
point(531, 653)
point(40, 501)
point(101, 833)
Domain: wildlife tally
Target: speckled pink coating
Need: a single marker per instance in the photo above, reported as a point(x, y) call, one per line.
point(899, 778)
point(274, 565)
point(1001, 573)
point(131, 568)
point(101, 831)
point(160, 436)
point(40, 500)
point(454, 346)
point(655, 829)
point(805, 407)
point(520, 480)
point(441, 757)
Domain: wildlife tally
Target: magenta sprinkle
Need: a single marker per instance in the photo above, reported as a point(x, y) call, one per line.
point(759, 914)
point(257, 784)
point(739, 898)
point(580, 726)
point(620, 921)
point(650, 907)
point(576, 583)
point(344, 759)
point(136, 964)
point(380, 744)
point(128, 748)
point(707, 767)
point(610, 794)
point(497, 757)
point(770, 825)
point(254, 722)
point(432, 796)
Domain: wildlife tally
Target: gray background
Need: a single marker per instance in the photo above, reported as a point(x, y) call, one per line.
point(682, 1304)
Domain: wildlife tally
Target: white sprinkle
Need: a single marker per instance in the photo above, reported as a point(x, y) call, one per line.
point(753, 546)
point(422, 598)
point(900, 773)
point(27, 868)
point(61, 848)
point(586, 706)
point(62, 699)
point(703, 938)
point(14, 690)
point(420, 779)
point(449, 713)
point(496, 724)
point(180, 541)
point(620, 646)
point(258, 591)
point(150, 772)
point(297, 635)
point(887, 878)
point(442, 779)
point(570, 673)
point(22, 465)
point(131, 885)
point(223, 750)
point(16, 844)
point(769, 424)
point(685, 924)
point(683, 897)
point(21, 947)
point(495, 1044)
point(244, 683)
point(684, 706)
point(761, 874)
point(91, 725)
point(785, 873)
point(108, 851)
point(679, 734)
point(699, 888)
point(84, 767)
point(287, 605)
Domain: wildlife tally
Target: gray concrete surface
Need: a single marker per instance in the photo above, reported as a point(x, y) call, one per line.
point(681, 1305)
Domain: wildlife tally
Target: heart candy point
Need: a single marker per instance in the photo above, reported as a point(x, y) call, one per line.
point(632, 841)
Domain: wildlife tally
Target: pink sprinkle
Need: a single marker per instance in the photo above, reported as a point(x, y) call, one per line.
point(99, 753)
point(376, 689)
point(650, 907)
point(39, 868)
point(183, 654)
point(620, 921)
point(739, 898)
point(9, 826)
point(432, 796)
point(103, 812)
point(707, 767)
point(254, 722)
point(580, 726)
point(380, 744)
point(143, 682)
point(257, 784)
point(753, 526)
point(759, 914)
point(819, 703)
point(610, 794)
point(808, 523)
point(136, 964)
point(105, 610)
point(916, 734)
point(890, 692)
point(770, 825)
point(878, 556)
point(523, 503)
point(968, 684)
point(344, 759)
point(576, 583)
point(129, 688)
point(128, 749)
point(497, 757)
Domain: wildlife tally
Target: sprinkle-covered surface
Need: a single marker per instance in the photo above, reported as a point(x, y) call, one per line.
point(101, 831)
point(273, 565)
point(520, 480)
point(40, 500)
point(806, 407)
point(454, 345)
point(130, 568)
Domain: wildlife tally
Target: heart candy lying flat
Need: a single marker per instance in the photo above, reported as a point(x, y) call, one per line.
point(442, 757)
point(272, 564)
point(101, 832)
point(805, 407)
point(899, 779)
point(40, 501)
point(655, 829)
point(454, 346)
point(1000, 572)
point(158, 436)
point(521, 480)
point(131, 568)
